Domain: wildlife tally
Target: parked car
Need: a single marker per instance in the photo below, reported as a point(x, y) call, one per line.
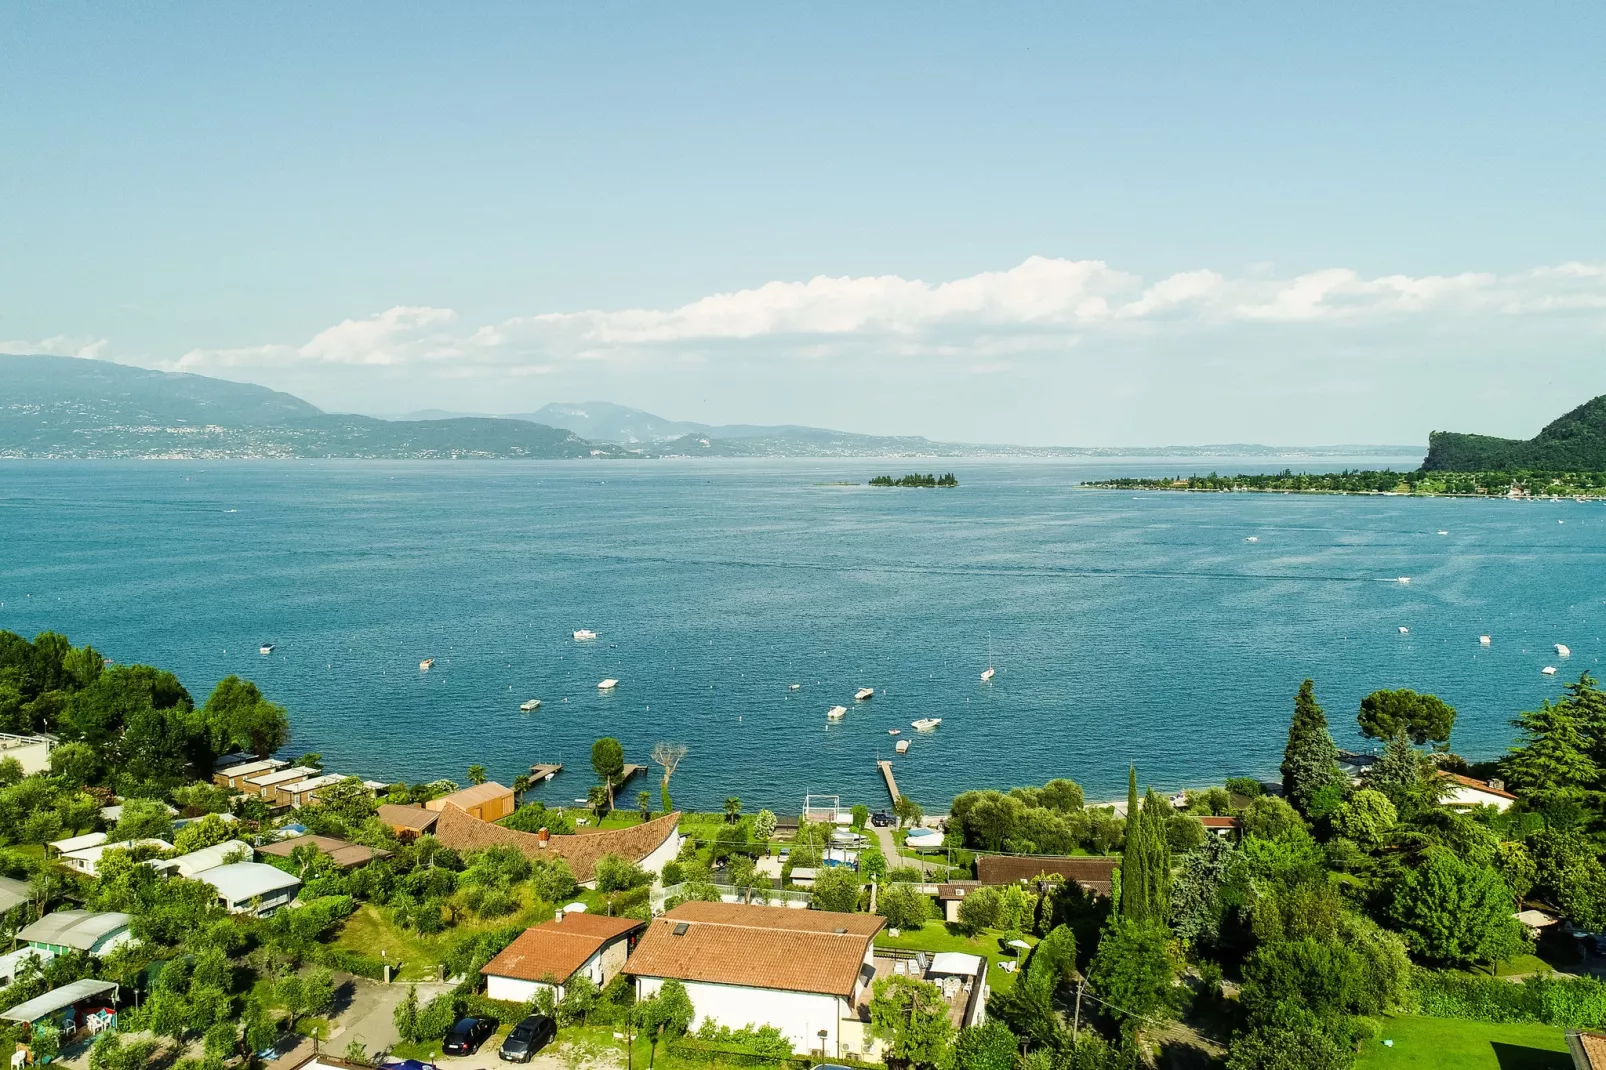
point(527, 1038)
point(881, 819)
point(467, 1034)
point(410, 1064)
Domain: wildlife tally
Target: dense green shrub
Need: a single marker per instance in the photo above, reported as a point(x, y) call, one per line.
point(1578, 1003)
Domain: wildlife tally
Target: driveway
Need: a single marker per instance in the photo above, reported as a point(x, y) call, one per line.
point(366, 1011)
point(889, 848)
point(563, 1055)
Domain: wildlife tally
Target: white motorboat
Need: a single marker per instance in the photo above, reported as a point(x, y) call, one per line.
point(926, 724)
point(533, 704)
point(1252, 538)
point(1562, 651)
point(793, 687)
point(608, 685)
point(582, 634)
point(1403, 581)
point(987, 674)
point(836, 713)
point(1404, 630)
point(1483, 640)
point(1443, 532)
point(265, 649)
point(894, 731)
point(902, 746)
point(424, 665)
point(1549, 670)
point(863, 693)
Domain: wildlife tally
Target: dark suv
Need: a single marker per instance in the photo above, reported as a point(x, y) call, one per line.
point(527, 1038)
point(880, 819)
point(467, 1035)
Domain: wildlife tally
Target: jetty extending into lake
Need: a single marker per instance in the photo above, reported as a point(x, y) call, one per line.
point(892, 785)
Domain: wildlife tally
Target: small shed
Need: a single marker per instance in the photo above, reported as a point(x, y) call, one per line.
point(62, 1004)
point(488, 801)
point(251, 887)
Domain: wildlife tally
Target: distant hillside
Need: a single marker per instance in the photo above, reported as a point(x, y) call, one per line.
point(1574, 443)
point(69, 407)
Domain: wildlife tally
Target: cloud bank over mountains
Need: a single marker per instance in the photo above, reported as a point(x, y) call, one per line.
point(1043, 303)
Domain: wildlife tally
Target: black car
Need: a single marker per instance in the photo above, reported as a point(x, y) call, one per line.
point(467, 1035)
point(527, 1038)
point(880, 819)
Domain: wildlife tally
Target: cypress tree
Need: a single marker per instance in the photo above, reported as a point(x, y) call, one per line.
point(1134, 856)
point(1310, 761)
point(1157, 852)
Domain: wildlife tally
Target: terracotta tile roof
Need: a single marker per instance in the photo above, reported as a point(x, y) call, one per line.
point(1094, 872)
point(345, 854)
point(1476, 785)
point(553, 950)
point(1213, 821)
point(956, 889)
point(409, 817)
point(757, 947)
point(461, 832)
point(471, 796)
point(1588, 1050)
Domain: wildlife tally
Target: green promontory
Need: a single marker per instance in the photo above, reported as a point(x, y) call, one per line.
point(1575, 442)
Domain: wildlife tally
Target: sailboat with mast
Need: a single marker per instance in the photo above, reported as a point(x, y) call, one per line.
point(987, 673)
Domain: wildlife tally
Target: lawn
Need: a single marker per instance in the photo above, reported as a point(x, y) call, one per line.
point(937, 936)
point(1421, 1043)
point(370, 931)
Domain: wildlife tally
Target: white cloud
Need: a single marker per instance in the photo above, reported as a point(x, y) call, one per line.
point(56, 346)
point(1043, 304)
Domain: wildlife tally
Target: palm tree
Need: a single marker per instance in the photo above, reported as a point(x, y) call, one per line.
point(644, 803)
point(597, 797)
point(733, 808)
point(521, 784)
point(476, 774)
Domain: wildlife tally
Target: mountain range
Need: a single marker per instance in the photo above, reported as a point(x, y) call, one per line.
point(73, 407)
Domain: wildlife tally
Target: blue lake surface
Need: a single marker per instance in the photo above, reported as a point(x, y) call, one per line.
point(1125, 627)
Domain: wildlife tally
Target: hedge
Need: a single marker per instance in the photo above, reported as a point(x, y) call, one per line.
point(354, 962)
point(1574, 1002)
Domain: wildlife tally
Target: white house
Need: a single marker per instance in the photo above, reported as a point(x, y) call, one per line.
point(13, 893)
point(77, 930)
point(13, 962)
point(1465, 791)
point(251, 887)
point(31, 752)
point(552, 954)
point(87, 859)
point(198, 862)
point(803, 971)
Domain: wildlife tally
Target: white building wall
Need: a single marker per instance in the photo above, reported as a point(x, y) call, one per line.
point(1461, 795)
point(800, 1016)
point(663, 854)
point(517, 990)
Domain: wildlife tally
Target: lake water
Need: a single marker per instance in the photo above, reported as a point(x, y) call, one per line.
point(1124, 627)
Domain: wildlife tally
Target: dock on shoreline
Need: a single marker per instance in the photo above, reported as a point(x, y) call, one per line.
point(892, 785)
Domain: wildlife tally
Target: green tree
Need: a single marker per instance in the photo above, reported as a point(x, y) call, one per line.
point(644, 805)
point(1367, 818)
point(1558, 752)
point(477, 774)
point(989, 1046)
point(1423, 718)
point(608, 760)
point(668, 756)
point(1132, 971)
point(836, 888)
point(1403, 776)
point(1135, 856)
point(1297, 1040)
point(236, 716)
point(521, 784)
point(76, 763)
point(907, 811)
point(764, 827)
point(142, 819)
point(1310, 758)
point(664, 1015)
point(1455, 912)
point(904, 907)
point(911, 1017)
point(979, 910)
point(616, 874)
point(209, 831)
point(733, 809)
point(405, 1016)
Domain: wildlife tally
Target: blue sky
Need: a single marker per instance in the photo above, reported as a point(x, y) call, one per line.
point(1109, 224)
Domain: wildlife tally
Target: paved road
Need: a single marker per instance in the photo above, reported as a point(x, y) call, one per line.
point(369, 1010)
point(889, 847)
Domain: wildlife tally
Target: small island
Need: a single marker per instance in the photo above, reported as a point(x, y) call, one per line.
point(915, 479)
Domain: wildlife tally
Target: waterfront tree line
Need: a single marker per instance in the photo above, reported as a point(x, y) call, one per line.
point(1467, 484)
point(915, 479)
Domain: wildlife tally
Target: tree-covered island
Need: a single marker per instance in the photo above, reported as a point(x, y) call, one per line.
point(915, 479)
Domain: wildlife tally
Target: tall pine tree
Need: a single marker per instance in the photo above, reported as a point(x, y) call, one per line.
point(1135, 881)
point(1310, 761)
point(1560, 747)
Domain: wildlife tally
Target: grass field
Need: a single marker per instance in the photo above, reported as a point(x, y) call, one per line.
point(371, 931)
point(1448, 1044)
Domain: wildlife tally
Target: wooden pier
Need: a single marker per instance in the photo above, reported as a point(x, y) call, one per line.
point(892, 785)
point(542, 773)
point(629, 771)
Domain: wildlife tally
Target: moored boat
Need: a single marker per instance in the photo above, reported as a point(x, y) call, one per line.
point(925, 724)
point(424, 665)
point(608, 685)
point(902, 746)
point(835, 713)
point(265, 649)
point(863, 693)
point(532, 704)
point(582, 634)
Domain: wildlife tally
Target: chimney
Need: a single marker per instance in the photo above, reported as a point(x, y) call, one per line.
point(1498, 785)
point(542, 837)
point(557, 919)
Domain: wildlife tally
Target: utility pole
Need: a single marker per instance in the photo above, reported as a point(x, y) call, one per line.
point(1076, 1024)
